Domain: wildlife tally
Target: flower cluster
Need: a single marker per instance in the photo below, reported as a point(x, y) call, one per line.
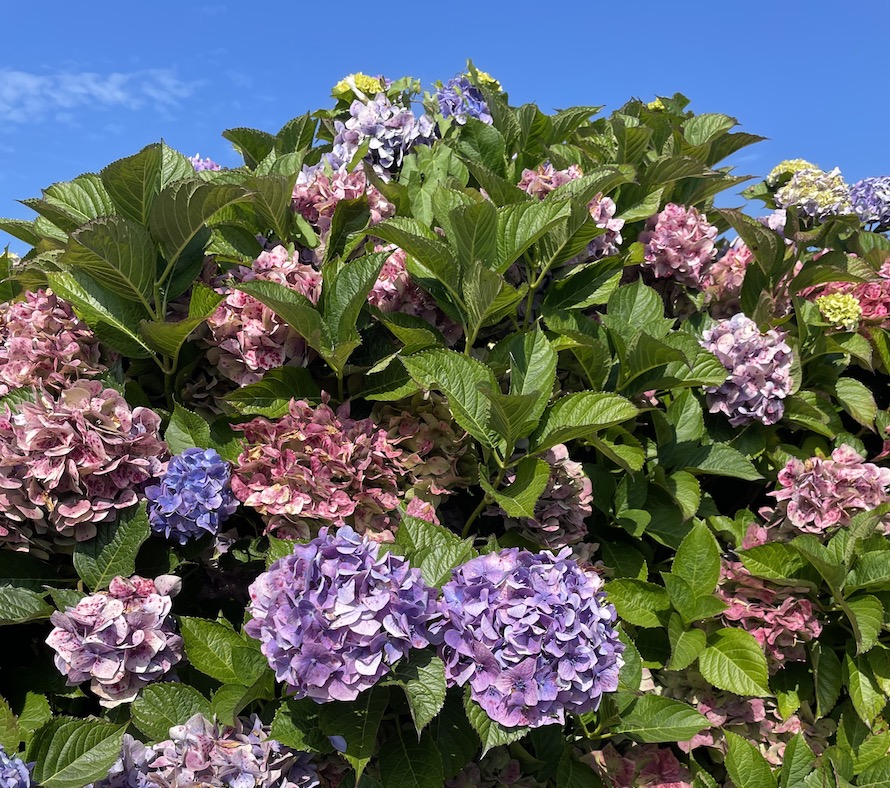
point(873, 297)
point(723, 279)
point(193, 496)
point(460, 99)
point(871, 201)
point(542, 180)
point(679, 244)
point(784, 170)
point(778, 617)
point(43, 342)
point(335, 616)
point(759, 367)
point(822, 493)
point(496, 769)
point(246, 337)
point(201, 752)
point(396, 291)
point(203, 164)
point(390, 130)
point(563, 508)
point(315, 466)
point(817, 194)
point(603, 210)
point(70, 462)
point(365, 85)
point(14, 772)
point(531, 634)
point(120, 639)
point(641, 766)
point(840, 309)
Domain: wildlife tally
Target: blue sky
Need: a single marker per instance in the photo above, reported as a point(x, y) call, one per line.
point(82, 84)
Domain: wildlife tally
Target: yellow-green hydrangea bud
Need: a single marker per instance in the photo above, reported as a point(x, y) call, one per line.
point(787, 168)
point(656, 106)
point(484, 78)
point(840, 309)
point(346, 87)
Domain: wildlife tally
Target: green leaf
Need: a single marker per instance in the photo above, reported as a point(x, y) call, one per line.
point(827, 676)
point(857, 400)
point(35, 713)
point(70, 753)
point(871, 571)
point(532, 361)
point(168, 337)
point(271, 395)
point(746, 766)
point(458, 377)
point(350, 216)
point(423, 679)
point(522, 224)
point(297, 725)
point(160, 707)
point(186, 430)
point(112, 552)
point(409, 764)
point(638, 602)
point(716, 459)
point(10, 736)
point(520, 497)
point(654, 719)
point(348, 294)
point(868, 700)
point(296, 135)
point(474, 233)
point(231, 699)
point(690, 605)
point(624, 560)
point(482, 143)
point(875, 776)
point(767, 247)
point(701, 129)
point(491, 733)
point(580, 415)
point(220, 653)
point(23, 571)
point(357, 722)
point(686, 644)
point(866, 614)
point(773, 561)
point(639, 307)
point(733, 661)
point(455, 738)
point(698, 560)
point(431, 548)
point(272, 202)
point(798, 762)
point(252, 144)
point(571, 773)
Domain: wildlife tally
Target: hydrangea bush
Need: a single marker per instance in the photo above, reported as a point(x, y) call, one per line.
point(467, 445)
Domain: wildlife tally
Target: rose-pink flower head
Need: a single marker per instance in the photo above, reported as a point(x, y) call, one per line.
point(679, 244)
point(823, 493)
point(542, 180)
point(246, 337)
point(873, 296)
point(315, 467)
point(120, 639)
point(70, 462)
point(722, 281)
point(43, 341)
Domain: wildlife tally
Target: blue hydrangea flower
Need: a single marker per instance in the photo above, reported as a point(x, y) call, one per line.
point(460, 99)
point(203, 164)
point(871, 201)
point(14, 772)
point(193, 497)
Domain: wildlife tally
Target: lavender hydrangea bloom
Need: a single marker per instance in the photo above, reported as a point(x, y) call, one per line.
point(460, 99)
point(531, 634)
point(14, 772)
point(131, 769)
point(335, 616)
point(871, 201)
point(120, 639)
point(759, 367)
point(391, 132)
point(193, 497)
point(203, 164)
point(679, 244)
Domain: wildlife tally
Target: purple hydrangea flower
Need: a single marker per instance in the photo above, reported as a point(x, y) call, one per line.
point(335, 616)
point(602, 210)
point(679, 244)
point(203, 164)
point(460, 99)
point(120, 639)
point(871, 201)
point(14, 772)
point(193, 497)
point(531, 634)
point(759, 367)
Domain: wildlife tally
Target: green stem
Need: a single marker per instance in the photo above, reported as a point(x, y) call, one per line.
point(485, 500)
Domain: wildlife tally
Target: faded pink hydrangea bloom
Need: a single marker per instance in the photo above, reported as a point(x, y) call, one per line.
point(563, 508)
point(435, 451)
point(873, 296)
point(70, 462)
point(823, 493)
point(722, 281)
point(422, 510)
point(396, 291)
point(641, 766)
point(314, 467)
point(318, 191)
point(120, 639)
point(679, 244)
point(542, 180)
point(246, 337)
point(603, 210)
point(781, 620)
point(43, 341)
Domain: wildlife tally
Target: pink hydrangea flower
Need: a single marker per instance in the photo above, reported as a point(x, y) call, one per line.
point(679, 244)
point(120, 639)
point(318, 191)
point(822, 493)
point(70, 462)
point(641, 766)
point(542, 180)
point(603, 210)
point(315, 467)
point(722, 281)
point(246, 337)
point(43, 341)
point(873, 296)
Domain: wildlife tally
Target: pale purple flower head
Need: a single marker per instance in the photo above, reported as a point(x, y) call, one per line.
point(203, 164)
point(315, 467)
point(759, 367)
point(193, 496)
point(335, 616)
point(871, 201)
point(816, 194)
point(70, 462)
point(119, 640)
point(246, 337)
point(132, 768)
point(679, 244)
point(542, 180)
point(531, 634)
point(603, 209)
point(563, 508)
point(458, 98)
point(14, 772)
point(823, 493)
point(43, 341)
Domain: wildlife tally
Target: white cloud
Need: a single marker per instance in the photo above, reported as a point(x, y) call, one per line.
point(25, 97)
